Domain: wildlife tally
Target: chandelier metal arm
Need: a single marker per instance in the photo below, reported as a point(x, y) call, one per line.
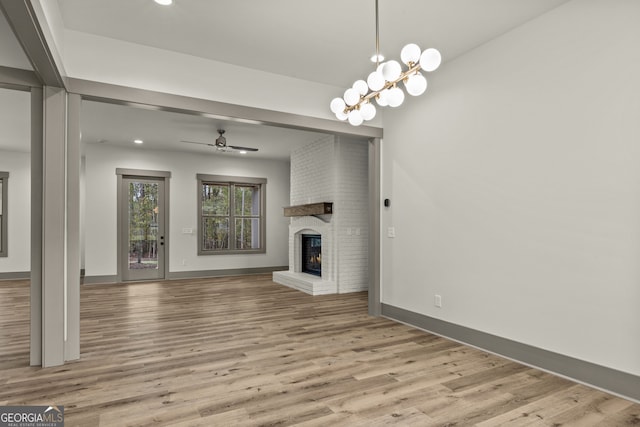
point(373, 94)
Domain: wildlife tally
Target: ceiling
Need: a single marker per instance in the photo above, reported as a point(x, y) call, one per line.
point(326, 41)
point(119, 125)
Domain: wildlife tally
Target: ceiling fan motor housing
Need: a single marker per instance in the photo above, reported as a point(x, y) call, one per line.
point(221, 141)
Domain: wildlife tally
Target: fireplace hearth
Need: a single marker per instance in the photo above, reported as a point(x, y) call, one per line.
point(311, 254)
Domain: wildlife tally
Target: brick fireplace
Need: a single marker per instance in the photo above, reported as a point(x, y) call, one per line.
point(332, 170)
point(295, 278)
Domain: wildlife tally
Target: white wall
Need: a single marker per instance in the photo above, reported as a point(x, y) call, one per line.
point(101, 202)
point(515, 187)
point(19, 213)
point(101, 59)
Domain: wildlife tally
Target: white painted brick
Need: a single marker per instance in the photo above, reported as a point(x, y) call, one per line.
point(331, 169)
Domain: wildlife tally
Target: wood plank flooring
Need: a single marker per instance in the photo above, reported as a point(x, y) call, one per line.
point(244, 351)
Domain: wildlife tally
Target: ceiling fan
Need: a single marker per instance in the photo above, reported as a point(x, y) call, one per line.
point(221, 144)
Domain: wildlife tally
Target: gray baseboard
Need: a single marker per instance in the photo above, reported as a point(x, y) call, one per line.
point(98, 280)
point(199, 274)
point(15, 275)
point(220, 273)
point(610, 380)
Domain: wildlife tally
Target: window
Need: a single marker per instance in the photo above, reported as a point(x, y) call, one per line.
point(231, 215)
point(4, 177)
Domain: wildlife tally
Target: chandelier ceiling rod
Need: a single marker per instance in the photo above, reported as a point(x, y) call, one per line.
point(382, 84)
point(377, 37)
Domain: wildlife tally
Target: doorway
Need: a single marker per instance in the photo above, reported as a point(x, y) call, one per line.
point(143, 231)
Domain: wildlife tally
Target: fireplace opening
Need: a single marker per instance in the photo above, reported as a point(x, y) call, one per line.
point(311, 254)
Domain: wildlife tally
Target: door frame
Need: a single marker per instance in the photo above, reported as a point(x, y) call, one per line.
point(142, 174)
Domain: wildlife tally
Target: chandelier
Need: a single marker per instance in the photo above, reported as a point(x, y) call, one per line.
point(382, 84)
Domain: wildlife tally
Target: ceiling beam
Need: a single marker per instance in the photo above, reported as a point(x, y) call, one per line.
point(15, 78)
point(21, 16)
point(123, 95)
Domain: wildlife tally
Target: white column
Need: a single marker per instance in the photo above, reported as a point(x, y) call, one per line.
point(72, 323)
point(36, 226)
point(53, 226)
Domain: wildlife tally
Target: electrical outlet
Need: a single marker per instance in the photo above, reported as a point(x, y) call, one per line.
point(437, 301)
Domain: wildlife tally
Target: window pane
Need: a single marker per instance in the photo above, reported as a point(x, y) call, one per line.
point(143, 225)
point(215, 199)
point(215, 233)
point(247, 200)
point(0, 196)
point(247, 233)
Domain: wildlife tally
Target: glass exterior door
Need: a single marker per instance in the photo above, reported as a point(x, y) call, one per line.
point(143, 231)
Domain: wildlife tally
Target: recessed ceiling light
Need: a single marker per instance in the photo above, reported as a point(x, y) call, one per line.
point(164, 2)
point(242, 152)
point(138, 141)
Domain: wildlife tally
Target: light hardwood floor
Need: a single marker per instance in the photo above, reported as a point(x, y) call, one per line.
point(243, 351)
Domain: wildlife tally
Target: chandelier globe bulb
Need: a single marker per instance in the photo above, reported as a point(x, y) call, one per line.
point(396, 97)
point(383, 98)
point(410, 54)
point(368, 111)
point(337, 104)
point(430, 60)
point(341, 115)
point(391, 70)
point(351, 96)
point(361, 86)
point(355, 118)
point(375, 81)
point(415, 84)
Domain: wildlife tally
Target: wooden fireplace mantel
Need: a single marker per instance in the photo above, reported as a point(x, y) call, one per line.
point(311, 209)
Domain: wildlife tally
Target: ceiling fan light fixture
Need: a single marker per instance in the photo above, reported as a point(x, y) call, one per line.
point(382, 84)
point(221, 145)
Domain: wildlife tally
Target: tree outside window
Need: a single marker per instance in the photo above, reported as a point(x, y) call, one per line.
point(143, 224)
point(231, 211)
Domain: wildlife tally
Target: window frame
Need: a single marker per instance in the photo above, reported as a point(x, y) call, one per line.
point(4, 178)
point(232, 181)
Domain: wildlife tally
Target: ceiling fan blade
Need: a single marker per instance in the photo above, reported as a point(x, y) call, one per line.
point(235, 147)
point(199, 143)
